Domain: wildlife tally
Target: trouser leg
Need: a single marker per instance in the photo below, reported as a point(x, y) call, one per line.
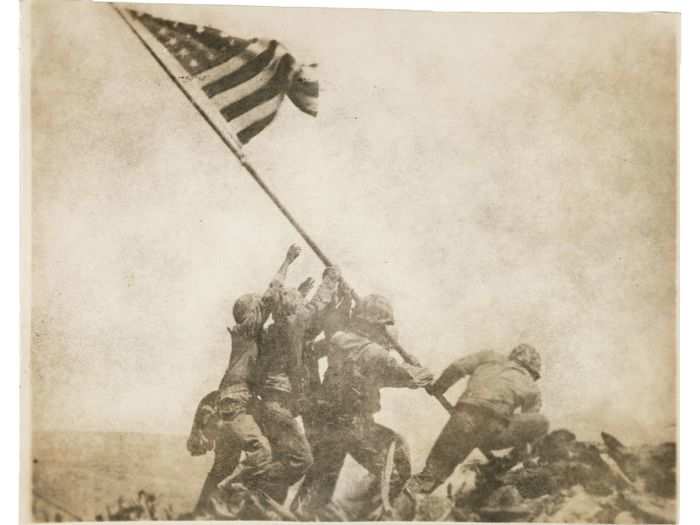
point(320, 481)
point(465, 431)
point(238, 425)
point(291, 452)
point(255, 446)
point(227, 453)
point(369, 447)
point(522, 429)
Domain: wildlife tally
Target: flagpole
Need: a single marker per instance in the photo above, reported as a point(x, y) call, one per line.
point(218, 124)
point(229, 139)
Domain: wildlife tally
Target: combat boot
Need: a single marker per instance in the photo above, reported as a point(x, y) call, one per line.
point(404, 506)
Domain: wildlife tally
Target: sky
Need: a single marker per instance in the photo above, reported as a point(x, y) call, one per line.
point(501, 178)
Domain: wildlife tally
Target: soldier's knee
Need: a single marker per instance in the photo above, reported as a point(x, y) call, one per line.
point(300, 462)
point(402, 460)
point(525, 428)
point(258, 451)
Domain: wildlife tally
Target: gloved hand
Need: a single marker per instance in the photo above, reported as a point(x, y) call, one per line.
point(433, 389)
point(332, 273)
point(198, 444)
point(422, 377)
point(293, 252)
point(305, 287)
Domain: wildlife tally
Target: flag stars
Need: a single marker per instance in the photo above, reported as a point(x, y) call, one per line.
point(199, 29)
point(183, 52)
point(162, 31)
point(172, 41)
point(194, 63)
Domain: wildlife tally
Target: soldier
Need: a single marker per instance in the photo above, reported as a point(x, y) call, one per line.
point(359, 365)
point(224, 416)
point(282, 379)
point(336, 318)
point(484, 417)
point(236, 429)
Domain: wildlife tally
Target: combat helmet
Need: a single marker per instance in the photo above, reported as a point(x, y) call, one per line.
point(375, 309)
point(244, 306)
point(527, 357)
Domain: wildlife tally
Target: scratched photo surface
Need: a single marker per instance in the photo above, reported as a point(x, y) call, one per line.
point(500, 186)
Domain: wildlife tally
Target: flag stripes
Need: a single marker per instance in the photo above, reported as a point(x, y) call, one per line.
point(245, 72)
point(246, 80)
point(277, 85)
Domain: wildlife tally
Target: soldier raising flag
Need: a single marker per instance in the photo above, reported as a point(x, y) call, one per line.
point(239, 63)
point(238, 85)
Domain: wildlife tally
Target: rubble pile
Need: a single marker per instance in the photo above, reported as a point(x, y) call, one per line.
point(561, 480)
point(146, 506)
point(564, 480)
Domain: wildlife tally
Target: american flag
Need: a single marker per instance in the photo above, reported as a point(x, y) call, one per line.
point(245, 79)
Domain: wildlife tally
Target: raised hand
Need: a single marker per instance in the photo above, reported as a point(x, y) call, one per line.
point(305, 287)
point(332, 273)
point(293, 252)
point(422, 377)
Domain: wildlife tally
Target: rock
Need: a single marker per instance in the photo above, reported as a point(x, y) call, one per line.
point(505, 504)
point(556, 446)
point(579, 507)
point(653, 466)
point(625, 517)
point(433, 508)
point(652, 509)
point(571, 463)
point(569, 481)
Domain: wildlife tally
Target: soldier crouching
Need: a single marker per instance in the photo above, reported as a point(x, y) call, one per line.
point(484, 417)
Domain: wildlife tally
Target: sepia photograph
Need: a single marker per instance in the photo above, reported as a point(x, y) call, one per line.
point(322, 264)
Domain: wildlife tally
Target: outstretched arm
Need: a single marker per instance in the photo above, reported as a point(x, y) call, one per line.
point(305, 287)
point(324, 296)
point(277, 283)
point(459, 369)
point(392, 374)
point(281, 275)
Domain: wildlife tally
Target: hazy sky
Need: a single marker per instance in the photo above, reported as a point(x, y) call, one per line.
point(502, 178)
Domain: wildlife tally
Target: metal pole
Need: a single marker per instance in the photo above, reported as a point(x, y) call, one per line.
point(217, 123)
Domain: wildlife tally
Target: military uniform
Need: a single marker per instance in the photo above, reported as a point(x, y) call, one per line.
point(484, 417)
point(357, 369)
point(281, 382)
point(236, 430)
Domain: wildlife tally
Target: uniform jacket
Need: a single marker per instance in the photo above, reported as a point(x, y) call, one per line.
point(240, 372)
point(280, 364)
point(496, 383)
point(357, 369)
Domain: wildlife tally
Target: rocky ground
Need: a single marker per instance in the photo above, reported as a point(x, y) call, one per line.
point(561, 480)
point(565, 481)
